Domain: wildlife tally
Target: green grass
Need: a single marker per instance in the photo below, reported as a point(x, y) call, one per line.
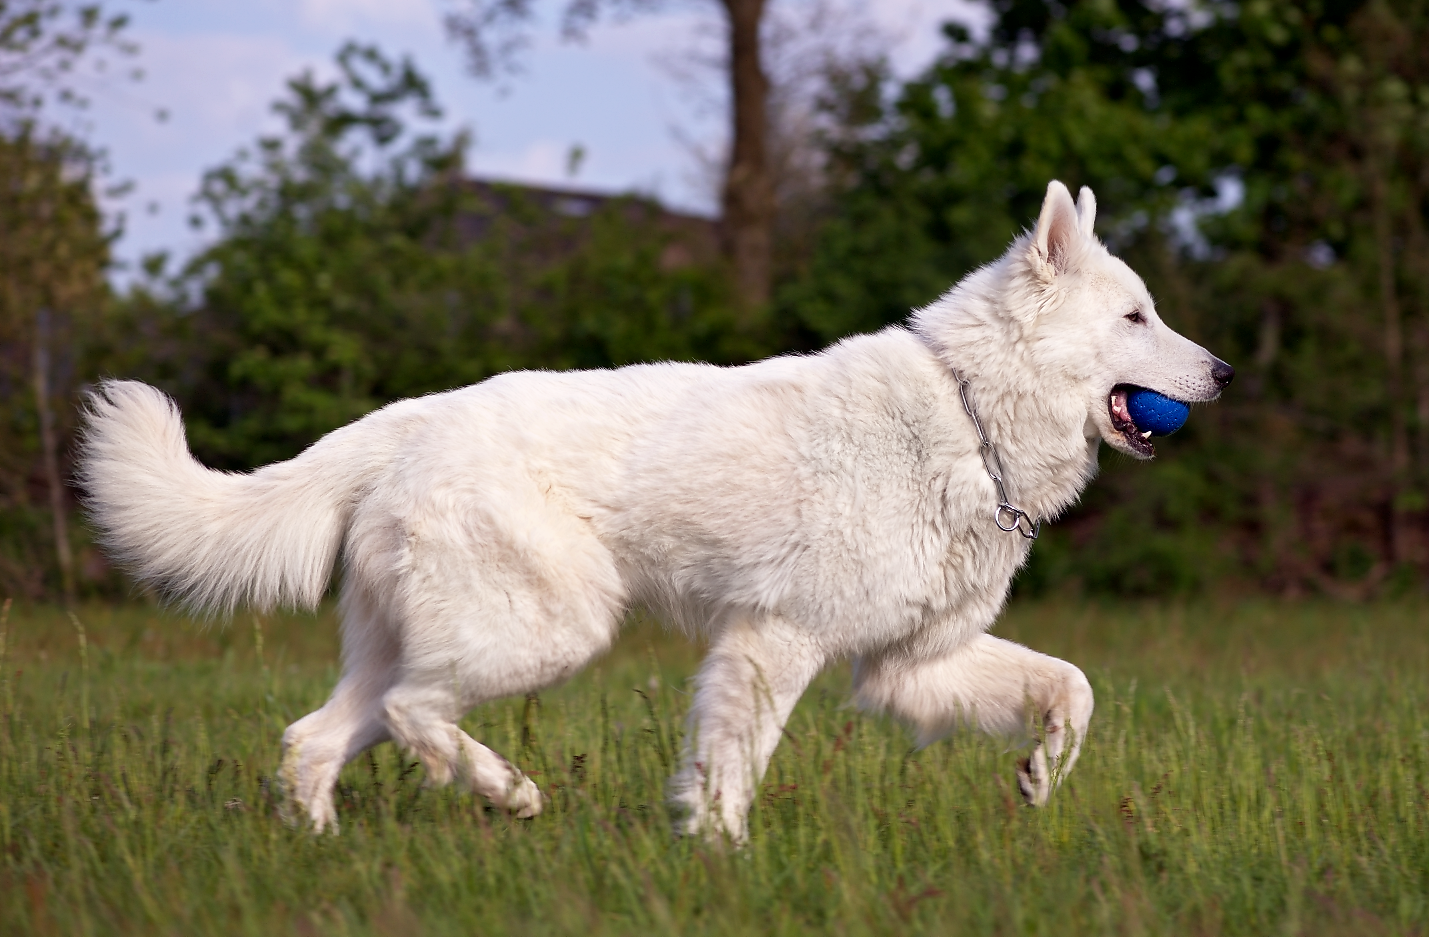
point(1252, 768)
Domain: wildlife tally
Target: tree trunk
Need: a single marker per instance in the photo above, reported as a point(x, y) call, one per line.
point(748, 197)
point(1393, 358)
point(49, 451)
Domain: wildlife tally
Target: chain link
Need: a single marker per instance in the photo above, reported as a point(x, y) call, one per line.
point(993, 466)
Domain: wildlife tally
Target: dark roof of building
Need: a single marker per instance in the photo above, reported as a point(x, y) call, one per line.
point(690, 238)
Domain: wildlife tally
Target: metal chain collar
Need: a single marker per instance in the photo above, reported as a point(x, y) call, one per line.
point(993, 466)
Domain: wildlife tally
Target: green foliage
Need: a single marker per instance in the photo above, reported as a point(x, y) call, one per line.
point(942, 180)
point(42, 45)
point(1251, 769)
point(346, 274)
point(53, 250)
point(322, 271)
point(54, 247)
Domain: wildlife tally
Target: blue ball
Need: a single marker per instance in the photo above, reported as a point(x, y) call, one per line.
point(1156, 412)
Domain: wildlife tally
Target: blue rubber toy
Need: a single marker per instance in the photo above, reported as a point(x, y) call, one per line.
point(1156, 412)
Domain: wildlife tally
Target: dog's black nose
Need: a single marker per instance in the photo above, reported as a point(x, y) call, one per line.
point(1222, 373)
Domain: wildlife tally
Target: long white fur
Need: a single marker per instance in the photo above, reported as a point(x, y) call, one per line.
point(796, 511)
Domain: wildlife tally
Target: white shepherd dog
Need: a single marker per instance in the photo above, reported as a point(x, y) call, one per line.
point(795, 511)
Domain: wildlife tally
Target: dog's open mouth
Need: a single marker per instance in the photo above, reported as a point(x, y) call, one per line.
point(1137, 439)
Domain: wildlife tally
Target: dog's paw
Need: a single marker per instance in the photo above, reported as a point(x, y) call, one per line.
point(525, 799)
point(687, 817)
point(313, 818)
point(1032, 780)
point(300, 805)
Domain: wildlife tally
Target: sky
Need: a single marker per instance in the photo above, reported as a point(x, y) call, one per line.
point(215, 67)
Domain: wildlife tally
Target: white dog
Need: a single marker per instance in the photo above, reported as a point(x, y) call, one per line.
point(795, 511)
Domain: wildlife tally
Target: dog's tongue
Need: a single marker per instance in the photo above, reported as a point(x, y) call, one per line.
point(1119, 409)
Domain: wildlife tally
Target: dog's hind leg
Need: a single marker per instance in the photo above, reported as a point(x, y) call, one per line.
point(993, 685)
point(747, 686)
point(317, 746)
point(421, 718)
point(501, 591)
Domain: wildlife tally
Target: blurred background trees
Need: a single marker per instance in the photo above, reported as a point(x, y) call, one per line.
point(1263, 164)
point(53, 255)
point(492, 34)
point(353, 263)
point(52, 259)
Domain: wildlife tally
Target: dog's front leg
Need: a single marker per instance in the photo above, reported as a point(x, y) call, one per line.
point(754, 674)
point(990, 684)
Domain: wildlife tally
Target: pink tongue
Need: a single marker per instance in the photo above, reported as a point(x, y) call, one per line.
point(1118, 406)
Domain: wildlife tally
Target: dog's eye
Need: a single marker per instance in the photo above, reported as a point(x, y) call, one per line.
point(1136, 317)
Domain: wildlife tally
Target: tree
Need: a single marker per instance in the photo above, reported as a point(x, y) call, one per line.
point(354, 264)
point(941, 180)
point(53, 253)
point(327, 235)
point(43, 43)
point(493, 33)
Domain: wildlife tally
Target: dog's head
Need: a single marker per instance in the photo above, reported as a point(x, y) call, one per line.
point(1087, 315)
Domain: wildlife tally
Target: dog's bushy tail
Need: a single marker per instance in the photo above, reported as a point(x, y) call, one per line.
point(214, 540)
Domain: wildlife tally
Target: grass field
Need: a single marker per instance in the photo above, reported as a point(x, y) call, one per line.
point(1252, 768)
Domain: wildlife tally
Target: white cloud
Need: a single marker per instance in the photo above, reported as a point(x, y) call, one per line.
point(217, 90)
point(343, 17)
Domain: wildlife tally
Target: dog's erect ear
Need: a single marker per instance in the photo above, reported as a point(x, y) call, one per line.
point(1058, 232)
point(1086, 211)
